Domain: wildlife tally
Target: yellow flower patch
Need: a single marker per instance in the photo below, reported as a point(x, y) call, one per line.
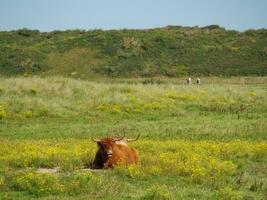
point(205, 160)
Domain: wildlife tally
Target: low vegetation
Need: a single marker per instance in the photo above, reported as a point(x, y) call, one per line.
point(216, 165)
point(203, 141)
point(171, 51)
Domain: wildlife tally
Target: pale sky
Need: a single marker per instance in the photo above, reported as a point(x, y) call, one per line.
point(48, 15)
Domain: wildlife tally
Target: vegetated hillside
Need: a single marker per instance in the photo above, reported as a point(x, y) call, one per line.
point(169, 51)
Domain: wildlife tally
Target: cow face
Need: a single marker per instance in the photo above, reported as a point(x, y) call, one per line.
point(106, 148)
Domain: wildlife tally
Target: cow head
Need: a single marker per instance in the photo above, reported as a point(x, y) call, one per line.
point(105, 146)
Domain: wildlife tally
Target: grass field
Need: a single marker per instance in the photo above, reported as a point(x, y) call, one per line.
point(203, 141)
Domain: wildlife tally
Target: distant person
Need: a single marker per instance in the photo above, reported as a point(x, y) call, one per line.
point(198, 80)
point(189, 80)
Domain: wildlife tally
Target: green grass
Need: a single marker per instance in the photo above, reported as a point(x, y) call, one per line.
point(203, 141)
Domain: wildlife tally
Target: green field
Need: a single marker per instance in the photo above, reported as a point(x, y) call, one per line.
point(203, 141)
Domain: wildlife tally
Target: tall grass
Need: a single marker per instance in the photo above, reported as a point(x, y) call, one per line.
point(63, 96)
point(212, 111)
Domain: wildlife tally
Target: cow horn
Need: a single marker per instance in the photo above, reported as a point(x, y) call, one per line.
point(95, 140)
point(131, 140)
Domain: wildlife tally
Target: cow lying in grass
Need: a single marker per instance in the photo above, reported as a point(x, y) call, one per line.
point(112, 151)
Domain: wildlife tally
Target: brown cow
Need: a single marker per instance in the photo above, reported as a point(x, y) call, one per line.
point(113, 151)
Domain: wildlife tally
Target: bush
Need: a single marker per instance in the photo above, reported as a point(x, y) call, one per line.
point(27, 32)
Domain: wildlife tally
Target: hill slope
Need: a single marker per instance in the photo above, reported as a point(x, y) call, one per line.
point(169, 51)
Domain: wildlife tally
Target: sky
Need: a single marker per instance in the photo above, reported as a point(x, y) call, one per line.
point(49, 15)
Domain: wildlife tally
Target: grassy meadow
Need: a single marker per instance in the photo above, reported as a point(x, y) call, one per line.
point(203, 141)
